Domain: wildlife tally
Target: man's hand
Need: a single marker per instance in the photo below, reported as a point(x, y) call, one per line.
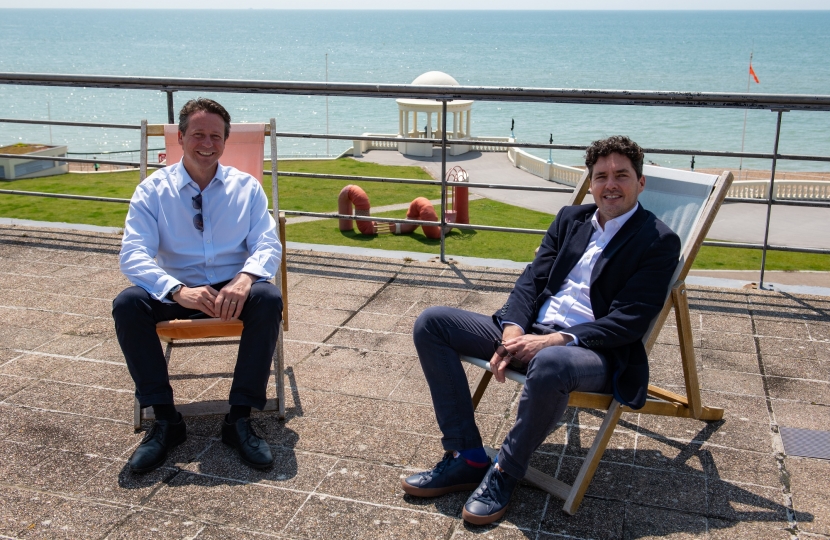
point(502, 357)
point(232, 297)
point(522, 347)
point(202, 298)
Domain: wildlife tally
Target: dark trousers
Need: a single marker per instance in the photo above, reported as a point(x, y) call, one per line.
point(442, 334)
point(136, 314)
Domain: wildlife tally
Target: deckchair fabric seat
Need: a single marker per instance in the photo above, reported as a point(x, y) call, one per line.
point(687, 202)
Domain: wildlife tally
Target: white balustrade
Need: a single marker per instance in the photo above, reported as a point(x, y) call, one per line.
point(539, 167)
point(792, 189)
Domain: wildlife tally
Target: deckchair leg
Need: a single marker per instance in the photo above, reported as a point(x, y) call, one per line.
point(481, 387)
point(687, 349)
point(589, 467)
point(279, 375)
point(137, 415)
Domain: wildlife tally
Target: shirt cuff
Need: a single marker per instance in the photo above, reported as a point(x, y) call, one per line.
point(164, 286)
point(503, 322)
point(256, 270)
point(573, 343)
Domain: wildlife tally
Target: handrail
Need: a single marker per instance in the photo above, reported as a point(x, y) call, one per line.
point(790, 102)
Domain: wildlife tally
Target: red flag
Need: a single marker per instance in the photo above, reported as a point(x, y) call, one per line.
point(752, 72)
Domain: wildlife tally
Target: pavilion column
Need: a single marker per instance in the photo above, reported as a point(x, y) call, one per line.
point(438, 126)
point(415, 121)
point(400, 122)
point(455, 125)
point(406, 124)
point(428, 128)
point(468, 123)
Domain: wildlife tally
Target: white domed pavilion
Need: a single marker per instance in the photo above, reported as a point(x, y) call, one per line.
point(415, 118)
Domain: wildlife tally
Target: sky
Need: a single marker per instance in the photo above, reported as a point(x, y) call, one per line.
point(430, 4)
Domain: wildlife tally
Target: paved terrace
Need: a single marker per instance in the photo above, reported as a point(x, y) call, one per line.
point(359, 415)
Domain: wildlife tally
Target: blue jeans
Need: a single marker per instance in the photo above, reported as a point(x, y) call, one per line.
point(441, 334)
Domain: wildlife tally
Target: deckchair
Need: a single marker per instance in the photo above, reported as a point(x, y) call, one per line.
point(687, 202)
point(244, 150)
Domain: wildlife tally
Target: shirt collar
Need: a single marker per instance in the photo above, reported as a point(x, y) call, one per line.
point(183, 178)
point(616, 223)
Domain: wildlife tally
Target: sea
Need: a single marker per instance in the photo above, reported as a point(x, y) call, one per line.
point(690, 51)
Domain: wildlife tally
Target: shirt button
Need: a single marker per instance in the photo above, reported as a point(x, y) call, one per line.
point(208, 241)
point(210, 260)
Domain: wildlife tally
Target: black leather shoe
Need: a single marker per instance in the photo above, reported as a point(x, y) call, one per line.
point(450, 474)
point(253, 450)
point(490, 501)
point(152, 451)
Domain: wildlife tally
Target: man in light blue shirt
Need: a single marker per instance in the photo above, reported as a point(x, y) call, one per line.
point(199, 241)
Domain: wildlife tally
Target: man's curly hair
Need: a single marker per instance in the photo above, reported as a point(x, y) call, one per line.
point(618, 144)
point(207, 105)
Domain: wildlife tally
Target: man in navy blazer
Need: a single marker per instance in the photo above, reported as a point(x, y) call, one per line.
point(574, 322)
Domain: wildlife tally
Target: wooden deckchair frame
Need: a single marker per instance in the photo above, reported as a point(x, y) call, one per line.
point(170, 331)
point(660, 402)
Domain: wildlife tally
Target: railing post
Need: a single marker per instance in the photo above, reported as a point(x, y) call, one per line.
point(443, 177)
point(275, 192)
point(142, 158)
point(770, 197)
point(171, 115)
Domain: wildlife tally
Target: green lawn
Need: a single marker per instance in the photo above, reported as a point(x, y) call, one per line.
point(321, 196)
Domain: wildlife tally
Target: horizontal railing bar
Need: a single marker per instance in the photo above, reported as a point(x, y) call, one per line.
point(715, 243)
point(322, 176)
point(80, 160)
point(781, 202)
point(63, 196)
point(108, 152)
point(541, 146)
point(409, 221)
point(358, 218)
point(335, 137)
point(59, 123)
point(472, 227)
point(448, 93)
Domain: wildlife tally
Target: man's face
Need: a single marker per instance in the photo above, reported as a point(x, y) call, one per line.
point(615, 186)
point(204, 141)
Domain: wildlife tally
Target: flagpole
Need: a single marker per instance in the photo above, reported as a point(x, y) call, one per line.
point(743, 136)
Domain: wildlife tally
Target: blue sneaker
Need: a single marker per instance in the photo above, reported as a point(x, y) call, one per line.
point(490, 501)
point(450, 474)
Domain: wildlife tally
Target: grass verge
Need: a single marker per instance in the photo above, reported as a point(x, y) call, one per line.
point(321, 196)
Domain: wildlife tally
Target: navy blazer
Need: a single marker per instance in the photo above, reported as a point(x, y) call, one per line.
point(628, 289)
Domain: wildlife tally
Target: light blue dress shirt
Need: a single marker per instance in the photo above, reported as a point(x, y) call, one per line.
point(162, 248)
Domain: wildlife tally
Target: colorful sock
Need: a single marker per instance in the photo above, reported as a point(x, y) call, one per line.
point(475, 457)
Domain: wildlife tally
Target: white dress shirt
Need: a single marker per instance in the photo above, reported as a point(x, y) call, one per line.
point(571, 305)
point(162, 248)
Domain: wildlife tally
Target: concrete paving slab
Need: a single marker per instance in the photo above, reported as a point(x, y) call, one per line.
point(358, 402)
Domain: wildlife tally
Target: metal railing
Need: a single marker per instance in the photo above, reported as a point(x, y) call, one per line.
point(778, 103)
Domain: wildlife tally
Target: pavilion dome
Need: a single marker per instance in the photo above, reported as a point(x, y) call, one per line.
point(435, 78)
